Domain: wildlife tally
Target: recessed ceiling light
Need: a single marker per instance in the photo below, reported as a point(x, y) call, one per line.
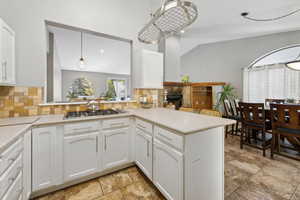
point(102, 51)
point(182, 31)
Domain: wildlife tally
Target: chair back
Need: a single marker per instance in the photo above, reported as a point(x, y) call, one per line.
point(269, 101)
point(236, 107)
point(252, 113)
point(285, 118)
point(228, 109)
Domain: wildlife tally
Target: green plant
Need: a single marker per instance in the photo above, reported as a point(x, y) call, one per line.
point(185, 79)
point(228, 92)
point(111, 92)
point(81, 87)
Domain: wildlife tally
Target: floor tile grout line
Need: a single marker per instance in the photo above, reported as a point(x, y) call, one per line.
point(298, 186)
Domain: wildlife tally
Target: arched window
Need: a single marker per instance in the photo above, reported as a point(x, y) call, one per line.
point(269, 78)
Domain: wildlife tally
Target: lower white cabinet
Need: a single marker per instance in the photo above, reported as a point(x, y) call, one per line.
point(45, 156)
point(168, 170)
point(27, 166)
point(116, 147)
point(80, 155)
point(143, 152)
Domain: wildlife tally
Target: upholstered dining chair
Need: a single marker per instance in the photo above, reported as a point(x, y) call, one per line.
point(254, 125)
point(285, 120)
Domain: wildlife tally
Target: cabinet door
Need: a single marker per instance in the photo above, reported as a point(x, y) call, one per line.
point(43, 157)
point(168, 171)
point(7, 54)
point(27, 165)
point(143, 152)
point(153, 65)
point(116, 147)
point(80, 155)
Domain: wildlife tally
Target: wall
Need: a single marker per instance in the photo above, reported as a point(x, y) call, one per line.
point(115, 17)
point(171, 49)
point(224, 61)
point(98, 80)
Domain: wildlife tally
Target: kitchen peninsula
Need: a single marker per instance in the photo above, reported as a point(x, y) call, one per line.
point(181, 153)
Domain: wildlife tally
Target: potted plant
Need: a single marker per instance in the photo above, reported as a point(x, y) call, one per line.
point(228, 92)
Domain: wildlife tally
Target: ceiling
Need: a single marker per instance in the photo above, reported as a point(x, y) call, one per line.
point(101, 54)
point(220, 20)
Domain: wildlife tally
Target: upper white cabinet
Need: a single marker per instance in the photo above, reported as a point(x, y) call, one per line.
point(151, 69)
point(116, 147)
point(80, 155)
point(7, 55)
point(47, 151)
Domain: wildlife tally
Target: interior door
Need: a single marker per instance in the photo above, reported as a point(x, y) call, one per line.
point(8, 54)
point(80, 155)
point(116, 147)
point(168, 171)
point(143, 152)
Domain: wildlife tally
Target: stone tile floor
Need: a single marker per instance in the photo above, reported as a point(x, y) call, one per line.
point(248, 176)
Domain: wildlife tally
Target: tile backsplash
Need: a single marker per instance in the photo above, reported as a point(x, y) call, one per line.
point(25, 101)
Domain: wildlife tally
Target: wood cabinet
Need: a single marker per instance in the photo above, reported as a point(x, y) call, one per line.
point(168, 170)
point(80, 155)
point(143, 151)
point(45, 155)
point(151, 69)
point(116, 147)
point(7, 54)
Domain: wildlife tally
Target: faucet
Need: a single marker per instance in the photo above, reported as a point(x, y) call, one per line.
point(93, 105)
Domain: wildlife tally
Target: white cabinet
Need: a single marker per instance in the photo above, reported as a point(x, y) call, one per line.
point(7, 54)
point(168, 171)
point(27, 165)
point(45, 156)
point(116, 147)
point(143, 152)
point(151, 66)
point(80, 155)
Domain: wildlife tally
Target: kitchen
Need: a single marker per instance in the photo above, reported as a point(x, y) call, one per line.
point(95, 104)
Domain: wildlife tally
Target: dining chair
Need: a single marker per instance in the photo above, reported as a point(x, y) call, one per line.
point(285, 120)
point(230, 113)
point(254, 126)
point(237, 113)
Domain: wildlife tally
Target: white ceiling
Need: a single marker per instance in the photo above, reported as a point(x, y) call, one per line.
point(220, 20)
point(115, 59)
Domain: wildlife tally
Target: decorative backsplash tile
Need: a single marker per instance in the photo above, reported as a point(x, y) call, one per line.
point(24, 101)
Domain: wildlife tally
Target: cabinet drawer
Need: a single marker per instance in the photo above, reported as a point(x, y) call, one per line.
point(82, 127)
point(11, 174)
point(143, 125)
point(10, 155)
point(16, 190)
point(168, 137)
point(115, 123)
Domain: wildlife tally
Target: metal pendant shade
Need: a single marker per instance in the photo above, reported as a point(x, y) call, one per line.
point(295, 65)
point(171, 18)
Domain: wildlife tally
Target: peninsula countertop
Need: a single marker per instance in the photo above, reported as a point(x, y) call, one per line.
point(179, 121)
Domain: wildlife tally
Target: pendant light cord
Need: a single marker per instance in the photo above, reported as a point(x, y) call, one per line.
point(246, 16)
point(81, 44)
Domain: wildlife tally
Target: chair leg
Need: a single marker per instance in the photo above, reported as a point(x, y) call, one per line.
point(273, 146)
point(226, 131)
point(264, 142)
point(232, 129)
point(241, 138)
point(236, 128)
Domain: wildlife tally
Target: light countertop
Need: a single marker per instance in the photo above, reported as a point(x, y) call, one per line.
point(179, 121)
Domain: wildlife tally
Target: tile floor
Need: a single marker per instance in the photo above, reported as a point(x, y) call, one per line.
point(248, 176)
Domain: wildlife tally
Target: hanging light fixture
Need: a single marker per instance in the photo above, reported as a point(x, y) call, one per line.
point(171, 18)
point(294, 65)
point(81, 60)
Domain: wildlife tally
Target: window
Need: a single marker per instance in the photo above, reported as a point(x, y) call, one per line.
point(271, 82)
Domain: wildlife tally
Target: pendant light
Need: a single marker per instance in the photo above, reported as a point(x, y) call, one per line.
point(294, 65)
point(173, 17)
point(81, 60)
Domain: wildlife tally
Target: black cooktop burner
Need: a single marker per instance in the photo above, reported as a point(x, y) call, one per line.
point(90, 113)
